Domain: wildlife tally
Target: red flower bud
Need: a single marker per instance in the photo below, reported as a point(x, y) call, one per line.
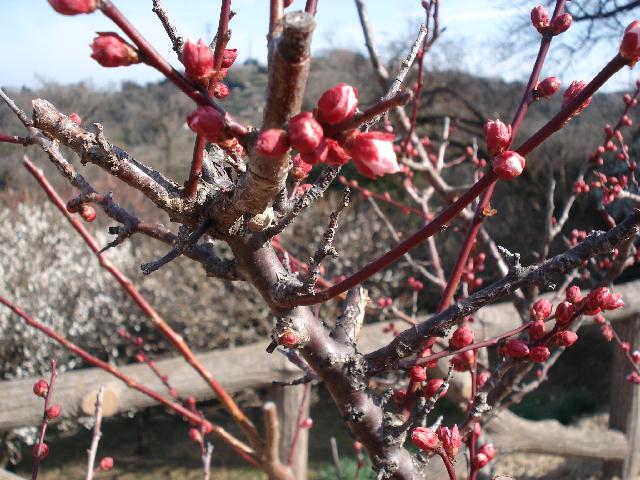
point(482, 378)
point(630, 45)
point(198, 60)
point(220, 90)
point(566, 338)
point(53, 412)
point(87, 212)
point(597, 298)
point(229, 56)
point(572, 91)
point(415, 284)
point(633, 377)
point(564, 312)
point(539, 354)
point(400, 396)
point(337, 104)
point(573, 294)
point(307, 423)
point(41, 388)
point(336, 155)
point(305, 133)
point(418, 373)
point(450, 438)
point(612, 302)
point(635, 355)
point(75, 118)
point(480, 460)
point(195, 435)
point(300, 169)
point(288, 339)
point(561, 23)
point(73, 7)
point(462, 337)
point(111, 50)
point(607, 332)
point(508, 165)
point(536, 330)
point(44, 450)
point(425, 439)
point(432, 387)
point(516, 349)
point(373, 154)
point(272, 143)
point(488, 450)
point(463, 361)
point(497, 136)
point(208, 122)
point(541, 309)
point(548, 87)
point(540, 18)
point(106, 464)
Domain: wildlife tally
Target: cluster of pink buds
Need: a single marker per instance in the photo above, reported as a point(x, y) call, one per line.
point(110, 50)
point(385, 302)
point(474, 266)
point(485, 454)
point(199, 66)
point(74, 7)
point(506, 164)
point(371, 152)
point(546, 26)
point(415, 284)
point(571, 92)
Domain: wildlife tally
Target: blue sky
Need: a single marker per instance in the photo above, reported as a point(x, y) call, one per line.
point(42, 45)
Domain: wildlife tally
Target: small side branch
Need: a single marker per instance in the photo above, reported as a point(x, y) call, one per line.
point(176, 39)
point(97, 434)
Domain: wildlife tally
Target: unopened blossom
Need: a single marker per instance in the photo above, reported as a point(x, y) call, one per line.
point(207, 122)
point(73, 7)
point(195, 435)
point(572, 91)
point(432, 386)
point(451, 442)
point(44, 450)
point(536, 330)
point(41, 388)
point(418, 373)
point(630, 45)
point(300, 169)
point(305, 133)
point(480, 460)
point(508, 165)
point(561, 23)
point(415, 284)
point(497, 136)
point(516, 349)
point(463, 361)
point(75, 118)
point(336, 155)
point(548, 87)
point(539, 353)
point(288, 339)
point(272, 143)
point(110, 50)
point(229, 56)
point(106, 464)
point(573, 294)
point(425, 439)
point(307, 423)
point(198, 60)
point(87, 212)
point(540, 18)
point(462, 337)
point(564, 312)
point(541, 309)
point(373, 154)
point(220, 90)
point(400, 396)
point(337, 104)
point(566, 338)
point(489, 450)
point(53, 412)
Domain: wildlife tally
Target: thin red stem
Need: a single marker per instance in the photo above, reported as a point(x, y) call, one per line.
point(191, 189)
point(451, 471)
point(223, 34)
point(14, 139)
point(45, 421)
point(627, 354)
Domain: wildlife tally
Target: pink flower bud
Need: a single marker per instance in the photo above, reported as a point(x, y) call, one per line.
point(272, 143)
point(564, 312)
point(373, 154)
point(450, 438)
point(197, 59)
point(432, 387)
point(612, 302)
point(106, 464)
point(573, 294)
point(357, 446)
point(288, 339)
point(488, 450)
point(87, 212)
point(572, 91)
point(480, 460)
point(425, 439)
point(44, 450)
point(497, 136)
point(548, 87)
point(73, 7)
point(566, 338)
point(220, 90)
point(540, 18)
point(400, 396)
point(607, 332)
point(229, 56)
point(305, 133)
point(539, 354)
point(336, 155)
point(53, 412)
point(208, 122)
point(337, 104)
point(111, 50)
point(516, 349)
point(418, 373)
point(597, 298)
point(536, 330)
point(482, 378)
point(508, 165)
point(307, 423)
point(635, 355)
point(541, 309)
point(41, 388)
point(463, 361)
point(462, 337)
point(75, 118)
point(630, 45)
point(195, 435)
point(561, 23)
point(633, 377)
point(415, 284)
point(300, 170)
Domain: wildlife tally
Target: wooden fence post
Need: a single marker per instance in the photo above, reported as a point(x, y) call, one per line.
point(289, 401)
point(624, 412)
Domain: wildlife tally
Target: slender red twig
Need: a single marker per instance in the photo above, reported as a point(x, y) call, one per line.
point(174, 338)
point(191, 189)
point(222, 36)
point(38, 448)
